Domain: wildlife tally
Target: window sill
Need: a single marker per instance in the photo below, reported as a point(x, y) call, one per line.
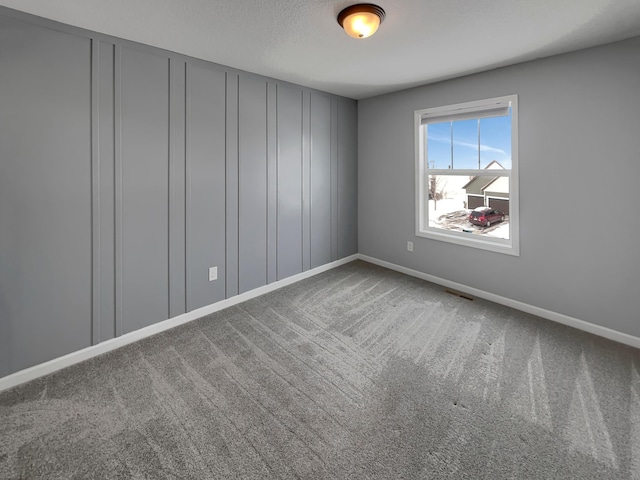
point(496, 245)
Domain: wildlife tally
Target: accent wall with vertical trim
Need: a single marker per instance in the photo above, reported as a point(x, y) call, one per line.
point(127, 171)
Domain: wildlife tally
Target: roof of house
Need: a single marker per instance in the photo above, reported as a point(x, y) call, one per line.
point(493, 165)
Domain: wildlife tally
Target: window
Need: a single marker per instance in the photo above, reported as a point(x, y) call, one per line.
point(467, 174)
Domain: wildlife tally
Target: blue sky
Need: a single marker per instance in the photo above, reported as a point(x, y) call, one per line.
point(495, 143)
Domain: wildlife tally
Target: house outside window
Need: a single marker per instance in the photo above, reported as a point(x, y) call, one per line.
point(467, 174)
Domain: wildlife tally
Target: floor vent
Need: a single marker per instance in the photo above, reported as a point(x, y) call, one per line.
point(459, 294)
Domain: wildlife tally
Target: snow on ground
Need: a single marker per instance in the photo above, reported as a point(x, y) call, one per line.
point(451, 214)
point(444, 206)
point(500, 231)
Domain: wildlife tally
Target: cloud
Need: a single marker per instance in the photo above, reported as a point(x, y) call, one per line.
point(483, 148)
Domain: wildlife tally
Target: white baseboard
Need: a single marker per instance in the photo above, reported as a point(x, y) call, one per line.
point(524, 307)
point(59, 363)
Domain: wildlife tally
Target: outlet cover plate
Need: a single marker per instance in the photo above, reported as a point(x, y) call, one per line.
point(213, 274)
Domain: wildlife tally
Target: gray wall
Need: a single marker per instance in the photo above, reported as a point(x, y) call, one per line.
point(579, 158)
point(127, 171)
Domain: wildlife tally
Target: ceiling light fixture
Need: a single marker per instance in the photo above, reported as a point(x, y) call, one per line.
point(362, 20)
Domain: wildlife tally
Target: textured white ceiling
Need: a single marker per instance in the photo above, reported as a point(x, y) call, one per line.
point(420, 41)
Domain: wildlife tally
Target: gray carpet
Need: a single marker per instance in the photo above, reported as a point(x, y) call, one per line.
point(359, 372)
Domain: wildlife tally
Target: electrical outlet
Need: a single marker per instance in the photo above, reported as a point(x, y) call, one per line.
point(410, 246)
point(213, 274)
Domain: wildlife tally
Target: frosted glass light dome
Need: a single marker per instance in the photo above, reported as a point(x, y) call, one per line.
point(362, 20)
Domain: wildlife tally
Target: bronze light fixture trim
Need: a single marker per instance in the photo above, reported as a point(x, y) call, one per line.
point(361, 20)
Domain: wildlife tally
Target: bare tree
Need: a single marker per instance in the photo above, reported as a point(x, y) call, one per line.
point(436, 189)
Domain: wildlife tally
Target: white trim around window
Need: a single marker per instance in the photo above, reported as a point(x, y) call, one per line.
point(494, 107)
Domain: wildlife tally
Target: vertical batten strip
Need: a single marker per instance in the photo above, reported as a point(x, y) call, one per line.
point(237, 173)
point(272, 206)
point(187, 96)
point(170, 197)
point(95, 192)
point(187, 170)
point(334, 179)
point(117, 118)
point(277, 176)
point(232, 183)
point(306, 180)
point(226, 185)
point(266, 180)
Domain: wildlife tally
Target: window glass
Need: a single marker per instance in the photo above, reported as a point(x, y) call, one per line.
point(495, 141)
point(439, 145)
point(465, 144)
point(452, 199)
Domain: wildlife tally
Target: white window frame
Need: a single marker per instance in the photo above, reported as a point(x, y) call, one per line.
point(510, 246)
